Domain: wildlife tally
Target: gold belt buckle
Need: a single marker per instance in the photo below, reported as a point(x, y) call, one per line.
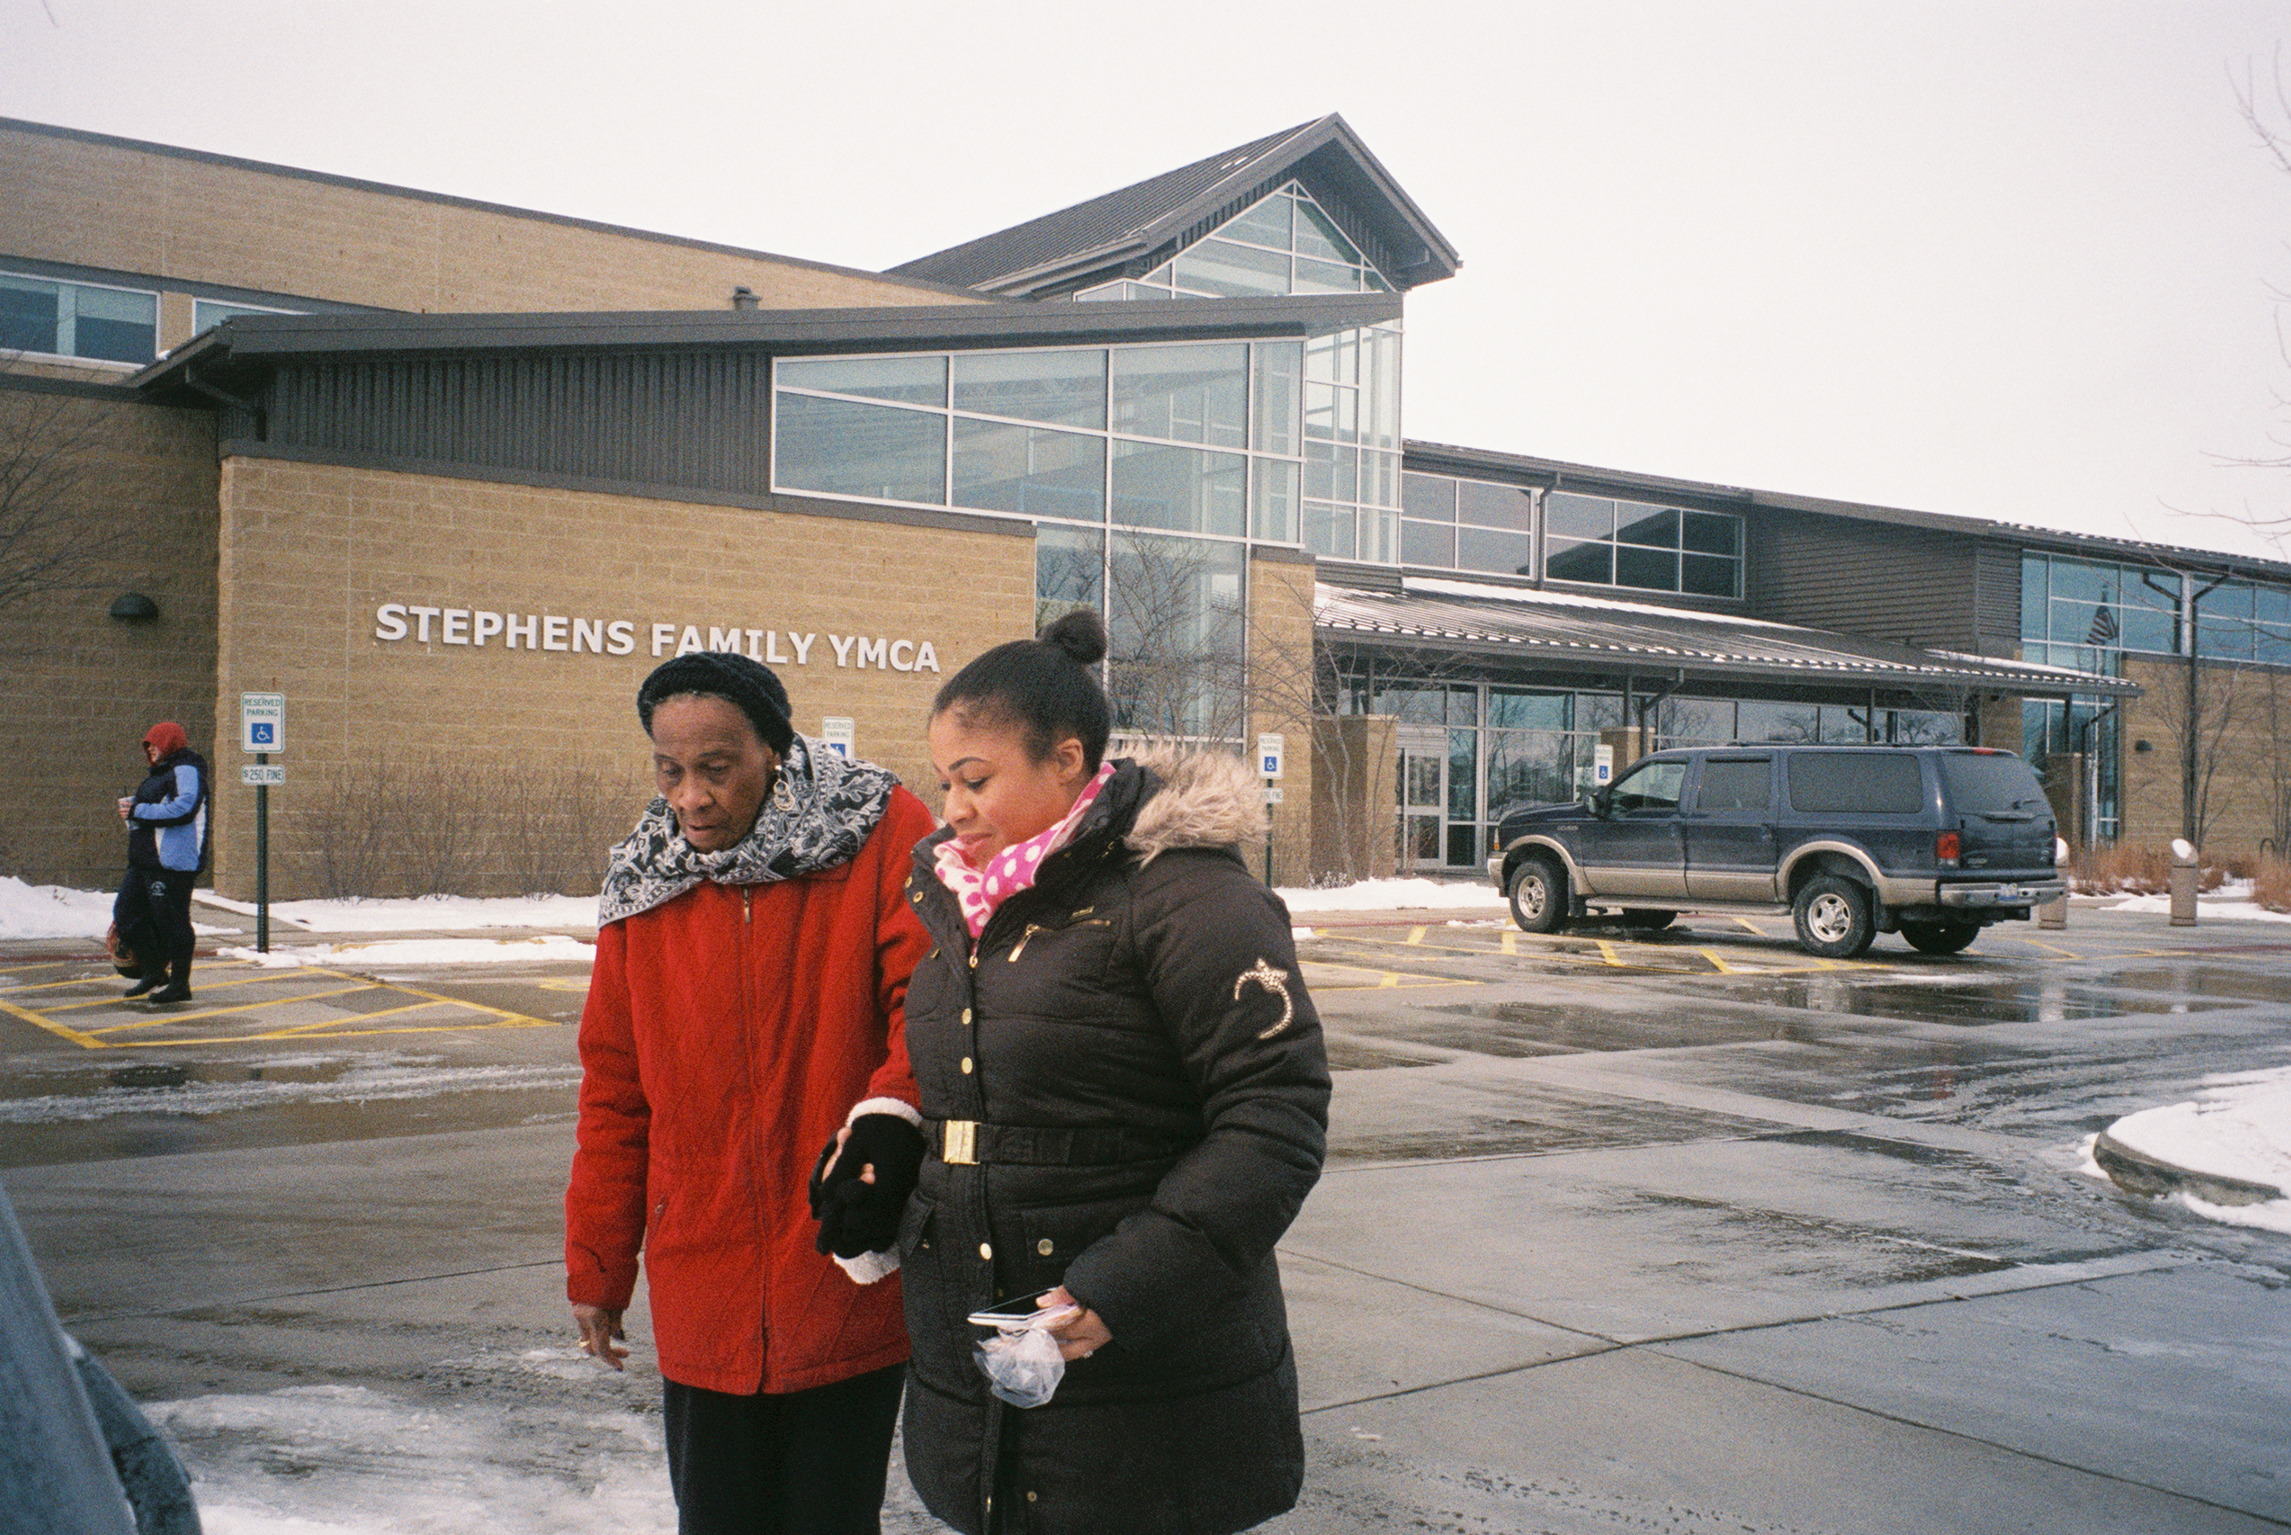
point(959, 1146)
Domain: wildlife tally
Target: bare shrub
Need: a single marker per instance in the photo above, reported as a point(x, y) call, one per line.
point(2271, 884)
point(409, 824)
point(2136, 871)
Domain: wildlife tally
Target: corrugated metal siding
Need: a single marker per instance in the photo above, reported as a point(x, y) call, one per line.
point(698, 419)
point(1890, 583)
point(1997, 598)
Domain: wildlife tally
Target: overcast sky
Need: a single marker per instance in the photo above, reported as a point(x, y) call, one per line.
point(1995, 257)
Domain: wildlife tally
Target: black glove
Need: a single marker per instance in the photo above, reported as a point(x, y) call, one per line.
point(856, 1217)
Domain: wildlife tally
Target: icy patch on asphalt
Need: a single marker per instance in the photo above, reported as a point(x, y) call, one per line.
point(346, 1460)
point(358, 1084)
point(422, 951)
point(2239, 1128)
point(1395, 894)
point(423, 914)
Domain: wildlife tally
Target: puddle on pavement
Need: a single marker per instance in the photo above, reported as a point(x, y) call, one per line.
point(2208, 981)
point(1352, 1055)
point(1517, 1030)
point(1974, 1006)
point(1480, 1119)
point(1810, 1246)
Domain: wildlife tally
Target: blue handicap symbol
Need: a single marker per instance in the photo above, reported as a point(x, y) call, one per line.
point(264, 732)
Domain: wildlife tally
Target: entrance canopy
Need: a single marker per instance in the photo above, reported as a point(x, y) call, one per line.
point(1542, 629)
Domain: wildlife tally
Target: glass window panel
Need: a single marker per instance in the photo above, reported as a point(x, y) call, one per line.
point(28, 315)
point(1463, 778)
point(206, 313)
point(1332, 412)
point(1225, 270)
point(1069, 571)
point(1926, 727)
point(1191, 393)
point(1104, 291)
point(1570, 561)
point(1527, 709)
point(2033, 572)
point(1379, 478)
point(1265, 224)
point(1380, 534)
point(2272, 645)
point(1711, 533)
point(1598, 711)
point(1138, 290)
point(1760, 721)
point(1529, 767)
point(1003, 468)
point(1160, 274)
point(1333, 358)
point(1276, 419)
point(1382, 426)
point(1654, 526)
point(1326, 277)
point(1463, 704)
point(843, 448)
point(112, 325)
point(1174, 614)
point(1410, 703)
point(1374, 282)
point(1332, 472)
point(1706, 575)
point(1061, 388)
point(1317, 235)
point(909, 380)
point(1706, 721)
point(2271, 605)
point(1330, 530)
point(1654, 570)
point(1495, 506)
point(1274, 515)
point(1428, 543)
point(1187, 490)
point(1573, 516)
point(1428, 497)
point(2145, 628)
point(1844, 725)
point(1511, 554)
point(2080, 581)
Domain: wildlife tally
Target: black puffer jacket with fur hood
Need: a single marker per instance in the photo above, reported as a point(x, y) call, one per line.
point(1134, 1040)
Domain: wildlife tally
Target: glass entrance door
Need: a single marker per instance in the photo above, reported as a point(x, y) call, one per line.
point(1422, 799)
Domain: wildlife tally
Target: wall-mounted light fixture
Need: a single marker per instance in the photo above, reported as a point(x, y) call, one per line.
point(2142, 746)
point(744, 297)
point(134, 607)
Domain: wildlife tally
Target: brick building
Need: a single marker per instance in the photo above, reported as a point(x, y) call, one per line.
point(452, 477)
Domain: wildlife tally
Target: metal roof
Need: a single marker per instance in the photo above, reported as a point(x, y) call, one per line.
point(1108, 230)
point(262, 339)
point(1561, 629)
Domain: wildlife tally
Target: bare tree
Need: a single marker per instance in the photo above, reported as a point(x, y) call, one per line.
point(2264, 103)
point(48, 472)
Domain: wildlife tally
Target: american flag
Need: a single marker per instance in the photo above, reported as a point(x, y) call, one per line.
point(2104, 630)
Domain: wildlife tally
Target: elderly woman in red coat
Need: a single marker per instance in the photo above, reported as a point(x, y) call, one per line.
point(754, 944)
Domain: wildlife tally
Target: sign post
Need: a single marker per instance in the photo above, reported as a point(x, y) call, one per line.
point(262, 730)
point(1270, 750)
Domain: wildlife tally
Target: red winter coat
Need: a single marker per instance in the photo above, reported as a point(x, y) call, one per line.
point(727, 1034)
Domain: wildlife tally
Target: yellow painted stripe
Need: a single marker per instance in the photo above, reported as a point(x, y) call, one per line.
point(1749, 926)
point(507, 1021)
point(1416, 935)
point(1607, 953)
point(2054, 947)
point(243, 1007)
point(63, 1031)
point(207, 986)
point(1716, 963)
point(1510, 941)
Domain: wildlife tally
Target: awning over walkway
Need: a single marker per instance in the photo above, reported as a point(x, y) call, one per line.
point(1559, 629)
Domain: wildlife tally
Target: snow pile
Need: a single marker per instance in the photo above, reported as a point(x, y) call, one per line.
point(51, 911)
point(1397, 894)
point(2240, 1128)
point(2233, 901)
point(370, 958)
point(423, 914)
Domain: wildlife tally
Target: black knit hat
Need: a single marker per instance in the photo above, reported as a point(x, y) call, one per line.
point(748, 686)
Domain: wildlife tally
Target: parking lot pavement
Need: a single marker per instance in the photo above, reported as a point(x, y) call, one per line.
point(1678, 1231)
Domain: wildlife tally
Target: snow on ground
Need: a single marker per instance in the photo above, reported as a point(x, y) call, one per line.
point(361, 1082)
point(423, 914)
point(375, 958)
point(2239, 1128)
point(2231, 901)
point(53, 911)
point(1392, 894)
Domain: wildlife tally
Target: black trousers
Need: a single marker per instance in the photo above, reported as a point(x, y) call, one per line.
point(803, 1463)
point(153, 914)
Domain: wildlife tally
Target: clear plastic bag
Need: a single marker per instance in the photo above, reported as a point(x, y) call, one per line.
point(1021, 1363)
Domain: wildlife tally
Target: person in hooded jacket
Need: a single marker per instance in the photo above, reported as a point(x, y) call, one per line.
point(753, 948)
point(1126, 1097)
point(166, 820)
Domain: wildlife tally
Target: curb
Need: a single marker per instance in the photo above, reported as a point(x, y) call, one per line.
point(2137, 1172)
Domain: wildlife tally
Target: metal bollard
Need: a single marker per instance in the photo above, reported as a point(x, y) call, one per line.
point(2184, 875)
point(2054, 913)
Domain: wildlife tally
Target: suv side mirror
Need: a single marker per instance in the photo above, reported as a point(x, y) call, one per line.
point(1599, 801)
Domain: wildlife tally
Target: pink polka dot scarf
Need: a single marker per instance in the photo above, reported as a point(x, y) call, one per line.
point(980, 891)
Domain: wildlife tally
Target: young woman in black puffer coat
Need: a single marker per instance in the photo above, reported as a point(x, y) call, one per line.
point(1126, 1095)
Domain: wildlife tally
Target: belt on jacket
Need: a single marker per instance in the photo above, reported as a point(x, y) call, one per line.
point(970, 1143)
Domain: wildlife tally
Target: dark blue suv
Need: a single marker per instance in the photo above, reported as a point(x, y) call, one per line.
point(1933, 842)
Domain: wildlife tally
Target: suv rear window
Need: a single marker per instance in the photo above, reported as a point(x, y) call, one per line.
point(1980, 781)
point(1868, 782)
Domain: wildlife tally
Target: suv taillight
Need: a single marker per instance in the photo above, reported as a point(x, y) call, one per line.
point(1946, 847)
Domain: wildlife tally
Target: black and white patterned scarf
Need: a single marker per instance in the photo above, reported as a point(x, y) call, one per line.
point(817, 816)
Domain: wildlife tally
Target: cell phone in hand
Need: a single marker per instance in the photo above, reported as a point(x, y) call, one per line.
point(1023, 1311)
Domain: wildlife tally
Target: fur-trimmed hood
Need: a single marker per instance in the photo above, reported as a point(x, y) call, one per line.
point(1206, 799)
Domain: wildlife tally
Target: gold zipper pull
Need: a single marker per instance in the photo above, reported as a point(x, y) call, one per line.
point(747, 908)
point(1019, 947)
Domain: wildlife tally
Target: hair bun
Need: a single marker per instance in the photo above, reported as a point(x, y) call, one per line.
point(1081, 634)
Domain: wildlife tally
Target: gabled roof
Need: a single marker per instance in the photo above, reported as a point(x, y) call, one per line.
point(1566, 630)
point(1057, 249)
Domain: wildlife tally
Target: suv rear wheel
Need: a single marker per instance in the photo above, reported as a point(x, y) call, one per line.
point(1832, 916)
point(1940, 937)
point(1538, 896)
